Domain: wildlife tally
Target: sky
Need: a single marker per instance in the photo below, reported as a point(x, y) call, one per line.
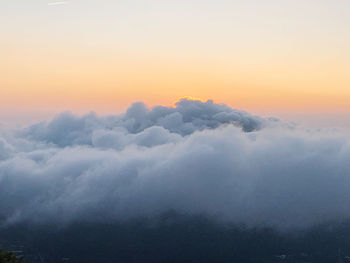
point(283, 58)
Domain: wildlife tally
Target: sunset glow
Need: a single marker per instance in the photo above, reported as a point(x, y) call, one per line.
point(103, 55)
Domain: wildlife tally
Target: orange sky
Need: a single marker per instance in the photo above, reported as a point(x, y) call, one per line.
point(268, 58)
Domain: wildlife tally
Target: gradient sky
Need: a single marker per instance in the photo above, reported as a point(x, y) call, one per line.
point(268, 57)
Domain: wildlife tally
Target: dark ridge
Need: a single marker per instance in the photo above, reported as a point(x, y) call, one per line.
point(178, 238)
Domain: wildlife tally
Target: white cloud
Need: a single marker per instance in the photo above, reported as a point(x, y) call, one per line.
point(57, 3)
point(195, 158)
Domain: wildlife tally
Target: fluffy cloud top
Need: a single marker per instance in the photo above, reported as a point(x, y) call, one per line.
point(187, 117)
point(194, 158)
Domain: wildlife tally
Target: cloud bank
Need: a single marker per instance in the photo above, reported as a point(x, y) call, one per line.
point(195, 158)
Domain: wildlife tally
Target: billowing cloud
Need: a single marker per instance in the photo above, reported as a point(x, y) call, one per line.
point(195, 158)
point(187, 117)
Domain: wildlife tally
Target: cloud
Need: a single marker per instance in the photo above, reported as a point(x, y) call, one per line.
point(195, 158)
point(57, 3)
point(5, 149)
point(187, 117)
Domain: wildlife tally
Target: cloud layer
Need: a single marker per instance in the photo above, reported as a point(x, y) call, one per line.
point(195, 158)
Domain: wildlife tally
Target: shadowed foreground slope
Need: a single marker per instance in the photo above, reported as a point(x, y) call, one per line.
point(175, 238)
